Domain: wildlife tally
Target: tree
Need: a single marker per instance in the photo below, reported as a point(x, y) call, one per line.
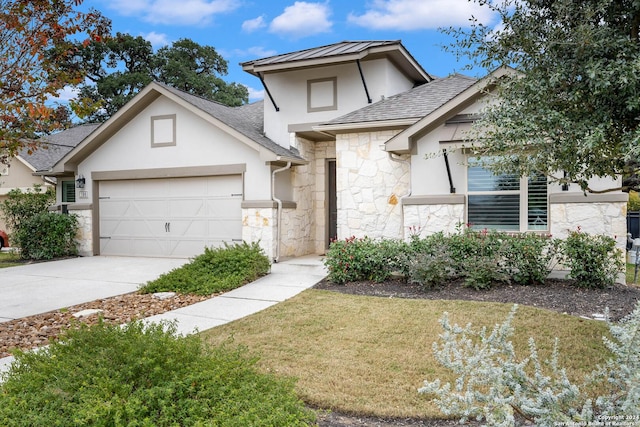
point(35, 39)
point(572, 108)
point(122, 66)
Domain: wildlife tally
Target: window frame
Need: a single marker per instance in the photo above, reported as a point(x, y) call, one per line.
point(65, 193)
point(523, 192)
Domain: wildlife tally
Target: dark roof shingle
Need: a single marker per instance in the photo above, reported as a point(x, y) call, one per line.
point(412, 104)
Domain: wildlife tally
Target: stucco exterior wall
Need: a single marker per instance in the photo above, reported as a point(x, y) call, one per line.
point(198, 143)
point(370, 186)
point(289, 90)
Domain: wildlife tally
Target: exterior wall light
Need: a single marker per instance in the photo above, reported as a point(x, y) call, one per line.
point(80, 181)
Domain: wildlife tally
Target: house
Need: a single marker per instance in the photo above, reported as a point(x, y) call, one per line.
point(339, 147)
point(22, 171)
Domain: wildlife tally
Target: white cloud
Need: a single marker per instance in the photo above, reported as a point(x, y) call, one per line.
point(66, 94)
point(252, 25)
point(302, 19)
point(186, 12)
point(419, 14)
point(157, 40)
point(255, 94)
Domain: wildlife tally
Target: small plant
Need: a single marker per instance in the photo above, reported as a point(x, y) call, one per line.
point(495, 386)
point(594, 260)
point(143, 375)
point(478, 257)
point(216, 270)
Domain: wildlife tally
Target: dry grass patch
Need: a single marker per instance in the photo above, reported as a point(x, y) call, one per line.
point(369, 355)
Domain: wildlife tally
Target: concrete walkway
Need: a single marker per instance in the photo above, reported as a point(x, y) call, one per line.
point(287, 279)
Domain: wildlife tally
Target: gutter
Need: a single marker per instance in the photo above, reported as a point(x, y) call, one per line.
point(279, 203)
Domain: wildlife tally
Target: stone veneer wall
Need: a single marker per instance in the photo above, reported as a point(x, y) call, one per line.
point(258, 225)
point(609, 218)
point(427, 219)
point(85, 228)
point(304, 217)
point(369, 186)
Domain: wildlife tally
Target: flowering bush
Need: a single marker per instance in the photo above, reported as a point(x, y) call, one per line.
point(355, 259)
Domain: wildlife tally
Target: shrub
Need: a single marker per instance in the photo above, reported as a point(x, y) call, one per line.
point(478, 257)
point(22, 205)
point(356, 259)
point(216, 270)
point(47, 235)
point(143, 375)
point(594, 260)
point(428, 260)
point(494, 385)
point(529, 257)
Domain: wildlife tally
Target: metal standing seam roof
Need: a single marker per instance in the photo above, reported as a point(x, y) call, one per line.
point(415, 103)
point(332, 50)
point(246, 119)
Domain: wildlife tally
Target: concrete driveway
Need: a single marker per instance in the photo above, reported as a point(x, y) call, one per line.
point(42, 287)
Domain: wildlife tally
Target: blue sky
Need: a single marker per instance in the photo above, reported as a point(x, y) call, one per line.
point(243, 30)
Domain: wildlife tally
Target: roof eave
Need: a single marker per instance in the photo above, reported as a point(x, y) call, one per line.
point(402, 142)
point(355, 126)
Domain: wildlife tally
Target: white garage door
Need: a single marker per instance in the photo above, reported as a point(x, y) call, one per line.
point(174, 217)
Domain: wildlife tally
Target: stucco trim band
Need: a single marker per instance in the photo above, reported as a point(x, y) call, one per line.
point(589, 198)
point(182, 172)
point(452, 199)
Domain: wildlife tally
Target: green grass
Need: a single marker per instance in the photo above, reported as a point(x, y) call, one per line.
point(631, 272)
point(10, 259)
point(369, 355)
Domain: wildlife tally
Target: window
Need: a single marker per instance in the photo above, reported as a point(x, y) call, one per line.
point(505, 202)
point(68, 191)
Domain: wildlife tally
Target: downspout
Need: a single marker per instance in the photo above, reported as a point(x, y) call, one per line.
point(407, 194)
point(279, 203)
point(452, 189)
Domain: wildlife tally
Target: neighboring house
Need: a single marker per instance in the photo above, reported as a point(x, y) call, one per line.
point(22, 171)
point(342, 146)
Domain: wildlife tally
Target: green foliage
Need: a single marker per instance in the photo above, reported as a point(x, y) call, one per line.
point(38, 233)
point(121, 66)
point(216, 270)
point(481, 257)
point(572, 104)
point(594, 260)
point(143, 375)
point(529, 257)
point(21, 205)
point(494, 385)
point(355, 259)
point(634, 201)
point(47, 235)
point(429, 260)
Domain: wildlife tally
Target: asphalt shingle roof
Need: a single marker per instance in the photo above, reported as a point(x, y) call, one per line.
point(54, 147)
point(415, 103)
point(246, 119)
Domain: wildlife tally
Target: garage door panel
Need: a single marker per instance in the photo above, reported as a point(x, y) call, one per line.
point(169, 217)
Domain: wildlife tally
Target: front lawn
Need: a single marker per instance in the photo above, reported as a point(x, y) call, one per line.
point(10, 259)
point(369, 355)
